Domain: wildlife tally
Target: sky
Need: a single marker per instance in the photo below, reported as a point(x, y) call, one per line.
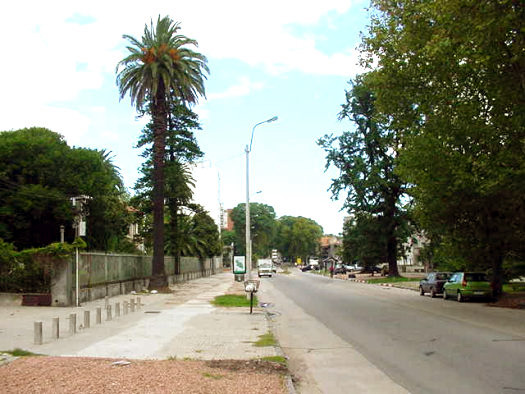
point(289, 58)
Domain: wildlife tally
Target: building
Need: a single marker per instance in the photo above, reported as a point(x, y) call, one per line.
point(227, 221)
point(412, 247)
point(329, 246)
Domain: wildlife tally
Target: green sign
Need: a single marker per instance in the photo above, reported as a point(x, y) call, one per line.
point(239, 265)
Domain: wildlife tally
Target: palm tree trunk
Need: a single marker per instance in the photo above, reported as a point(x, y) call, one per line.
point(159, 112)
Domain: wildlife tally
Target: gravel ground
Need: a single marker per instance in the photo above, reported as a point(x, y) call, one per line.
point(101, 375)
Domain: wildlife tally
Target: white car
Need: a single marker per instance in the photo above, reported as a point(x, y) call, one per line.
point(265, 268)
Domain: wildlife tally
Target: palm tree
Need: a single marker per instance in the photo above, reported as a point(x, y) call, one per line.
point(158, 69)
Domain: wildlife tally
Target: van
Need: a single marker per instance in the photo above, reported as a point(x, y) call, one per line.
point(265, 267)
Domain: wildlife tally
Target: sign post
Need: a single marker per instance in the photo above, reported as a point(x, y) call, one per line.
point(239, 267)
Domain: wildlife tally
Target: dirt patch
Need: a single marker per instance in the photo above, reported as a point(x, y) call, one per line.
point(510, 300)
point(261, 366)
point(101, 375)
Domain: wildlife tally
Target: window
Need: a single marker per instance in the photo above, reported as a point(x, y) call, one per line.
point(476, 277)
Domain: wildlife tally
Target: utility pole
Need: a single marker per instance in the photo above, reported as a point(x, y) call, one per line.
point(79, 224)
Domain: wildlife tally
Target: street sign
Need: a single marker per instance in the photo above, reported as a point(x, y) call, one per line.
point(239, 265)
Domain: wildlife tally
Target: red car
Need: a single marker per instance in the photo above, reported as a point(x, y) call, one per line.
point(433, 283)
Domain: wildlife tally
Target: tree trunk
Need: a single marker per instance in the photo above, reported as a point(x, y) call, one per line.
point(497, 276)
point(159, 111)
point(391, 246)
point(392, 256)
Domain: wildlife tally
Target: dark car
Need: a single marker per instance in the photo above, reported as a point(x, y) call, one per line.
point(433, 283)
point(306, 268)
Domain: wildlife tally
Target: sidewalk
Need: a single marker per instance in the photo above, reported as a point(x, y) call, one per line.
point(175, 342)
point(179, 325)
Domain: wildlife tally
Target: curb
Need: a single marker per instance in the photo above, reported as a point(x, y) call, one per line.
point(287, 378)
point(383, 284)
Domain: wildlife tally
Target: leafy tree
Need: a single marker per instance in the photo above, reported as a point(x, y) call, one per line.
point(366, 158)
point(451, 76)
point(297, 237)
point(262, 220)
point(160, 68)
point(181, 150)
point(39, 173)
point(207, 232)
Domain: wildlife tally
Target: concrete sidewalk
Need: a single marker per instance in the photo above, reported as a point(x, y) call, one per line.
point(179, 325)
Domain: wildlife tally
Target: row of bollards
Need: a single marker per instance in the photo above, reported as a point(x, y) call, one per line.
point(130, 306)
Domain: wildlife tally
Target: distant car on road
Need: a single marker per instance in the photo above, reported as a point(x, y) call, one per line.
point(433, 283)
point(306, 268)
point(265, 267)
point(464, 285)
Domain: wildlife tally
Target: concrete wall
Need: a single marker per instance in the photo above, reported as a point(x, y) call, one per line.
point(102, 275)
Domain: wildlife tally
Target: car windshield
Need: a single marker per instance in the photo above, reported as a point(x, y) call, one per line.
point(442, 276)
point(476, 277)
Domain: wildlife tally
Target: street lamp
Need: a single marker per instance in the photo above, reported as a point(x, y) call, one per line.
point(248, 235)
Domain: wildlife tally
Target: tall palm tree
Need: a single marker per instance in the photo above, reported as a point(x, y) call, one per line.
point(158, 69)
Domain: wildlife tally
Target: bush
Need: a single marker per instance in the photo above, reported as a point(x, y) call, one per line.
point(29, 271)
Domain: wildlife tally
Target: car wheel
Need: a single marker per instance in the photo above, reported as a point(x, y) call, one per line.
point(270, 276)
point(432, 293)
point(460, 297)
point(444, 294)
point(421, 291)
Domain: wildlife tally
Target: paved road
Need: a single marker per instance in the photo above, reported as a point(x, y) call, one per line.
point(420, 344)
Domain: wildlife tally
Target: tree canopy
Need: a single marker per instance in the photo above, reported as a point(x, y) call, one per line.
point(39, 173)
point(366, 160)
point(262, 220)
point(297, 237)
point(450, 76)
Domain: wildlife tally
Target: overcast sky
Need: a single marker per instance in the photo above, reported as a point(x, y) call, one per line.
point(287, 58)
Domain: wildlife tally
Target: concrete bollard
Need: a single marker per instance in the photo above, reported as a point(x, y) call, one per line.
point(38, 332)
point(126, 306)
point(72, 323)
point(55, 328)
point(87, 319)
point(117, 309)
point(99, 315)
point(108, 312)
point(132, 305)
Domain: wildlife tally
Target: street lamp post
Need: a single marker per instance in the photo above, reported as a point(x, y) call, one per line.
point(248, 235)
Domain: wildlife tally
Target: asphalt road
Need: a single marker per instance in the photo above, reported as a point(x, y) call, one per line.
point(423, 345)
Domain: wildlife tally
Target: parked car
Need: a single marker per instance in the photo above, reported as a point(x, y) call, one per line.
point(464, 285)
point(306, 268)
point(339, 269)
point(433, 283)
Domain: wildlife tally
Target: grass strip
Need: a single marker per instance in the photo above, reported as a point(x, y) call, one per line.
point(266, 340)
point(394, 279)
point(17, 352)
point(513, 287)
point(234, 300)
point(275, 359)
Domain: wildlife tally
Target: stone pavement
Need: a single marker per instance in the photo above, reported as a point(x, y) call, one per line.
point(179, 325)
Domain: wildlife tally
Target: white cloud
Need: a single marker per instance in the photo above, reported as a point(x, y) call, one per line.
point(243, 88)
point(63, 48)
point(71, 124)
